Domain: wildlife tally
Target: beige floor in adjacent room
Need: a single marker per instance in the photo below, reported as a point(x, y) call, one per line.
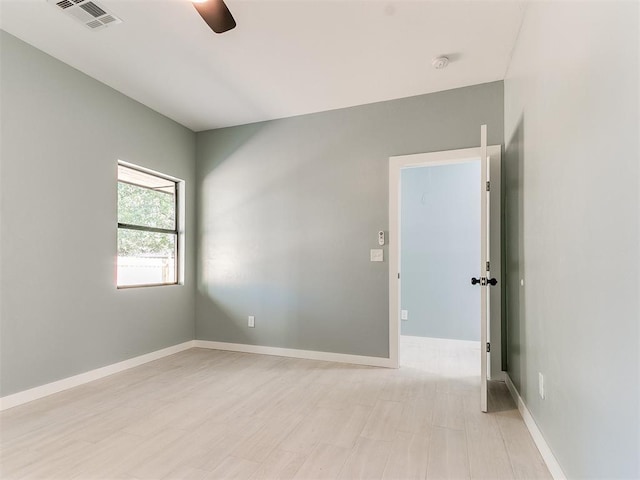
point(205, 414)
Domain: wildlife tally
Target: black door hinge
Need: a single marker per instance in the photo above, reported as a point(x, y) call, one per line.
point(488, 347)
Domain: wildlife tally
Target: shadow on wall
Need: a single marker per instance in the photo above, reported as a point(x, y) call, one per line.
point(220, 151)
point(514, 254)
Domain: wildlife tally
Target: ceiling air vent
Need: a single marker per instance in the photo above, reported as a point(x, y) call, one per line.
point(92, 15)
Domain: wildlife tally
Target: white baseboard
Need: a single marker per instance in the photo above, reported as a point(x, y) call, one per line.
point(295, 353)
point(547, 455)
point(35, 393)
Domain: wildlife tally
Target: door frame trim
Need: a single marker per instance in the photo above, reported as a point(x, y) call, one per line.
point(396, 164)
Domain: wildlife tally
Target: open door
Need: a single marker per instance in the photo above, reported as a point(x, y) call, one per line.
point(484, 248)
point(485, 281)
point(489, 258)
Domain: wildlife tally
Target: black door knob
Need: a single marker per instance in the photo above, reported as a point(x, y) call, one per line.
point(484, 281)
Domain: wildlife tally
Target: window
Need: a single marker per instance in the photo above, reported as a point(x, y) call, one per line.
point(147, 228)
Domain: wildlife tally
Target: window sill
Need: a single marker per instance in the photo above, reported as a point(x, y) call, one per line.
point(127, 287)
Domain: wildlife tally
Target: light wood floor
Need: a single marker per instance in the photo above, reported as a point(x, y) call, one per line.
point(205, 414)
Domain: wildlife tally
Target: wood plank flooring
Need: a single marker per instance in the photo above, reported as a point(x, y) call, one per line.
point(206, 414)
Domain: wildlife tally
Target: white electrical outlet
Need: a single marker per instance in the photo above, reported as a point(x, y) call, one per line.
point(252, 321)
point(541, 385)
point(404, 314)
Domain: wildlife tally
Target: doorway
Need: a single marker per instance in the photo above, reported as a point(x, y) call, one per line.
point(439, 253)
point(433, 306)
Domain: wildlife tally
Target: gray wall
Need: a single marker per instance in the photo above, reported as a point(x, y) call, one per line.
point(440, 251)
point(572, 210)
point(62, 133)
point(288, 210)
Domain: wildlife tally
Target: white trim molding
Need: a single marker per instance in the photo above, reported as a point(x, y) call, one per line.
point(35, 393)
point(547, 455)
point(295, 353)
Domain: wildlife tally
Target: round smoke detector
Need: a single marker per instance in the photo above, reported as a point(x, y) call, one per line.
point(440, 62)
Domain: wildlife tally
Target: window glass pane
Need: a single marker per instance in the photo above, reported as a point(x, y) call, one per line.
point(146, 257)
point(146, 207)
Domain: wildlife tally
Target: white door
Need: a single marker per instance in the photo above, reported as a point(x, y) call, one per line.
point(484, 281)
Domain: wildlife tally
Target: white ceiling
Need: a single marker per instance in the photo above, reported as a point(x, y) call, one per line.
point(285, 57)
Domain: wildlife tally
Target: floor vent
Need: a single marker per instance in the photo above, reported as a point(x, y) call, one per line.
point(89, 12)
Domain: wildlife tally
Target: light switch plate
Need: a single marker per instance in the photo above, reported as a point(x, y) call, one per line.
point(252, 321)
point(377, 255)
point(404, 315)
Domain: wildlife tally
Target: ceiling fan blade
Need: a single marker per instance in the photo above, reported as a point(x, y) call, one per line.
point(216, 14)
